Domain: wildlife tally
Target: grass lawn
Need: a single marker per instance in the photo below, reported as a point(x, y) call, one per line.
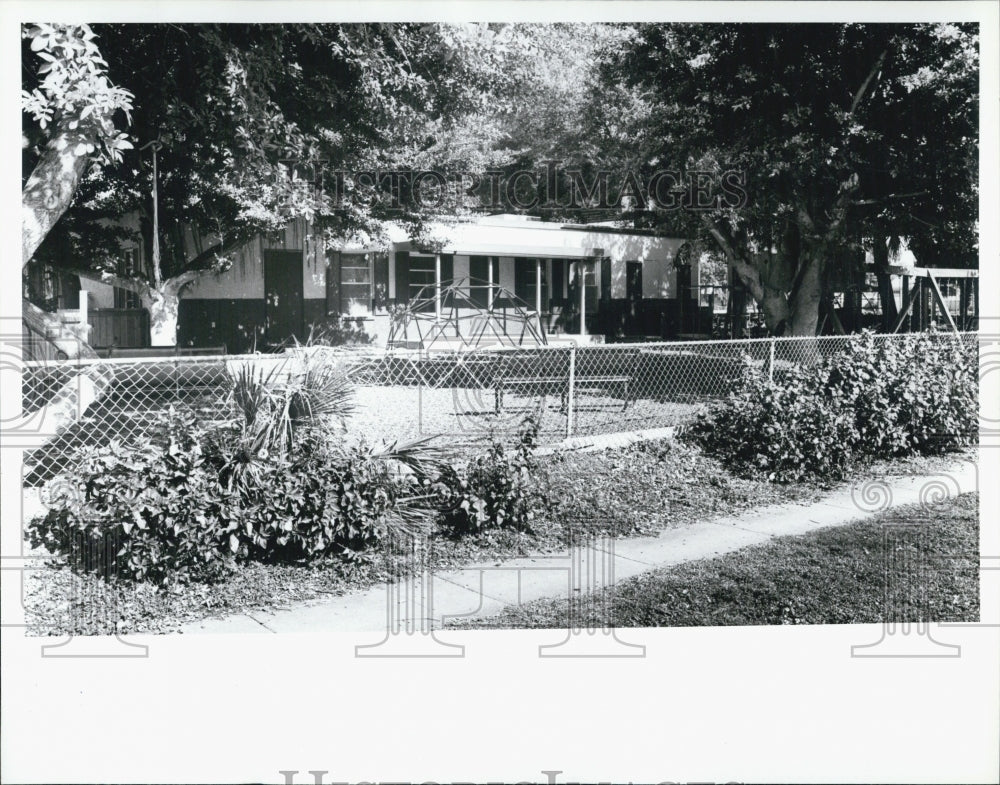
point(632, 491)
point(832, 576)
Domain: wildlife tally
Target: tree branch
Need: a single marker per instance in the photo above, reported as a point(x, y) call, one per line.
point(181, 280)
point(131, 284)
point(201, 262)
point(889, 198)
point(860, 94)
point(749, 274)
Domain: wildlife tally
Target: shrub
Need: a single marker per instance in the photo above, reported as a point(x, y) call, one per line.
point(161, 508)
point(190, 505)
point(496, 490)
point(342, 331)
point(275, 409)
point(879, 397)
point(342, 502)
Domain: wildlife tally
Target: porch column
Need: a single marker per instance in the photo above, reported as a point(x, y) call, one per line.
point(437, 287)
point(83, 307)
point(489, 283)
point(538, 287)
point(581, 267)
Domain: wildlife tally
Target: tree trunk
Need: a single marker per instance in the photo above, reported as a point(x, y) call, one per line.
point(163, 304)
point(804, 301)
point(50, 187)
point(887, 299)
point(777, 313)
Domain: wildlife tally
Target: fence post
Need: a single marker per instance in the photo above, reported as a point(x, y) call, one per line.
point(569, 391)
point(770, 365)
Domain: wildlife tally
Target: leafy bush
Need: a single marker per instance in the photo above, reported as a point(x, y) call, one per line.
point(495, 490)
point(273, 482)
point(342, 331)
point(344, 501)
point(879, 397)
point(161, 507)
point(172, 519)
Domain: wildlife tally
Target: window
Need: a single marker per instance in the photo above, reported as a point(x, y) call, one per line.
point(355, 283)
point(590, 275)
point(349, 284)
point(526, 281)
point(479, 278)
point(422, 269)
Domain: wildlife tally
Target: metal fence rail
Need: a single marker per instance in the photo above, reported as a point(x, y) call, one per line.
point(463, 395)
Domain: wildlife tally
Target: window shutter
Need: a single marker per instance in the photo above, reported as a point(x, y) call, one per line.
point(402, 277)
point(333, 283)
point(606, 278)
point(521, 274)
point(447, 274)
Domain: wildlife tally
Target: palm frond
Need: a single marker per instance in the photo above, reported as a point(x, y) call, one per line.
point(253, 393)
point(419, 455)
point(412, 516)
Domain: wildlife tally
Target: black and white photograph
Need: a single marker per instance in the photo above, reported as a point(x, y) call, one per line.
point(526, 391)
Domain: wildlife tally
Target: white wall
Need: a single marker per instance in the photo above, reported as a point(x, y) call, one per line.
point(99, 295)
point(245, 279)
point(487, 237)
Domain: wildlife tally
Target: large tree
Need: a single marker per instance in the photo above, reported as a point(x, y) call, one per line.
point(846, 134)
point(243, 119)
point(73, 105)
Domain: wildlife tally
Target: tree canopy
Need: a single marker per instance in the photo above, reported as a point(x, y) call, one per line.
point(246, 118)
point(846, 133)
point(845, 137)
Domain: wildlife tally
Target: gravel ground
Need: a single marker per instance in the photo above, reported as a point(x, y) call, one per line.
point(467, 415)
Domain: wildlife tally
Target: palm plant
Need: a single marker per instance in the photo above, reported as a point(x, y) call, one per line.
point(424, 463)
point(291, 420)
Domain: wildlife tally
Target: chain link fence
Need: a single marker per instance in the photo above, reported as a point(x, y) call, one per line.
point(463, 396)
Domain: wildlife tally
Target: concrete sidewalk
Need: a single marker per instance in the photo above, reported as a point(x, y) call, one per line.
point(484, 589)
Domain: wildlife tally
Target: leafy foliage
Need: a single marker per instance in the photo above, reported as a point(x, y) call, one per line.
point(811, 117)
point(161, 508)
point(881, 397)
point(73, 90)
point(341, 502)
point(275, 110)
point(496, 490)
point(306, 397)
point(274, 483)
point(344, 331)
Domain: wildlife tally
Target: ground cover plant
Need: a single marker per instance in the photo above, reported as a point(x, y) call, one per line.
point(647, 487)
point(273, 482)
point(832, 576)
point(916, 394)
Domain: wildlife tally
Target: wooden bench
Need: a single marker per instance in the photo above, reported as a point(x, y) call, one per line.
point(550, 384)
point(165, 352)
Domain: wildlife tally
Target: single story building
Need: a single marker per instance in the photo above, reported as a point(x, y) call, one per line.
point(634, 284)
point(280, 285)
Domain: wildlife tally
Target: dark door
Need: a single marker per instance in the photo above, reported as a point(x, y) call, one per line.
point(283, 296)
point(633, 298)
point(685, 307)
